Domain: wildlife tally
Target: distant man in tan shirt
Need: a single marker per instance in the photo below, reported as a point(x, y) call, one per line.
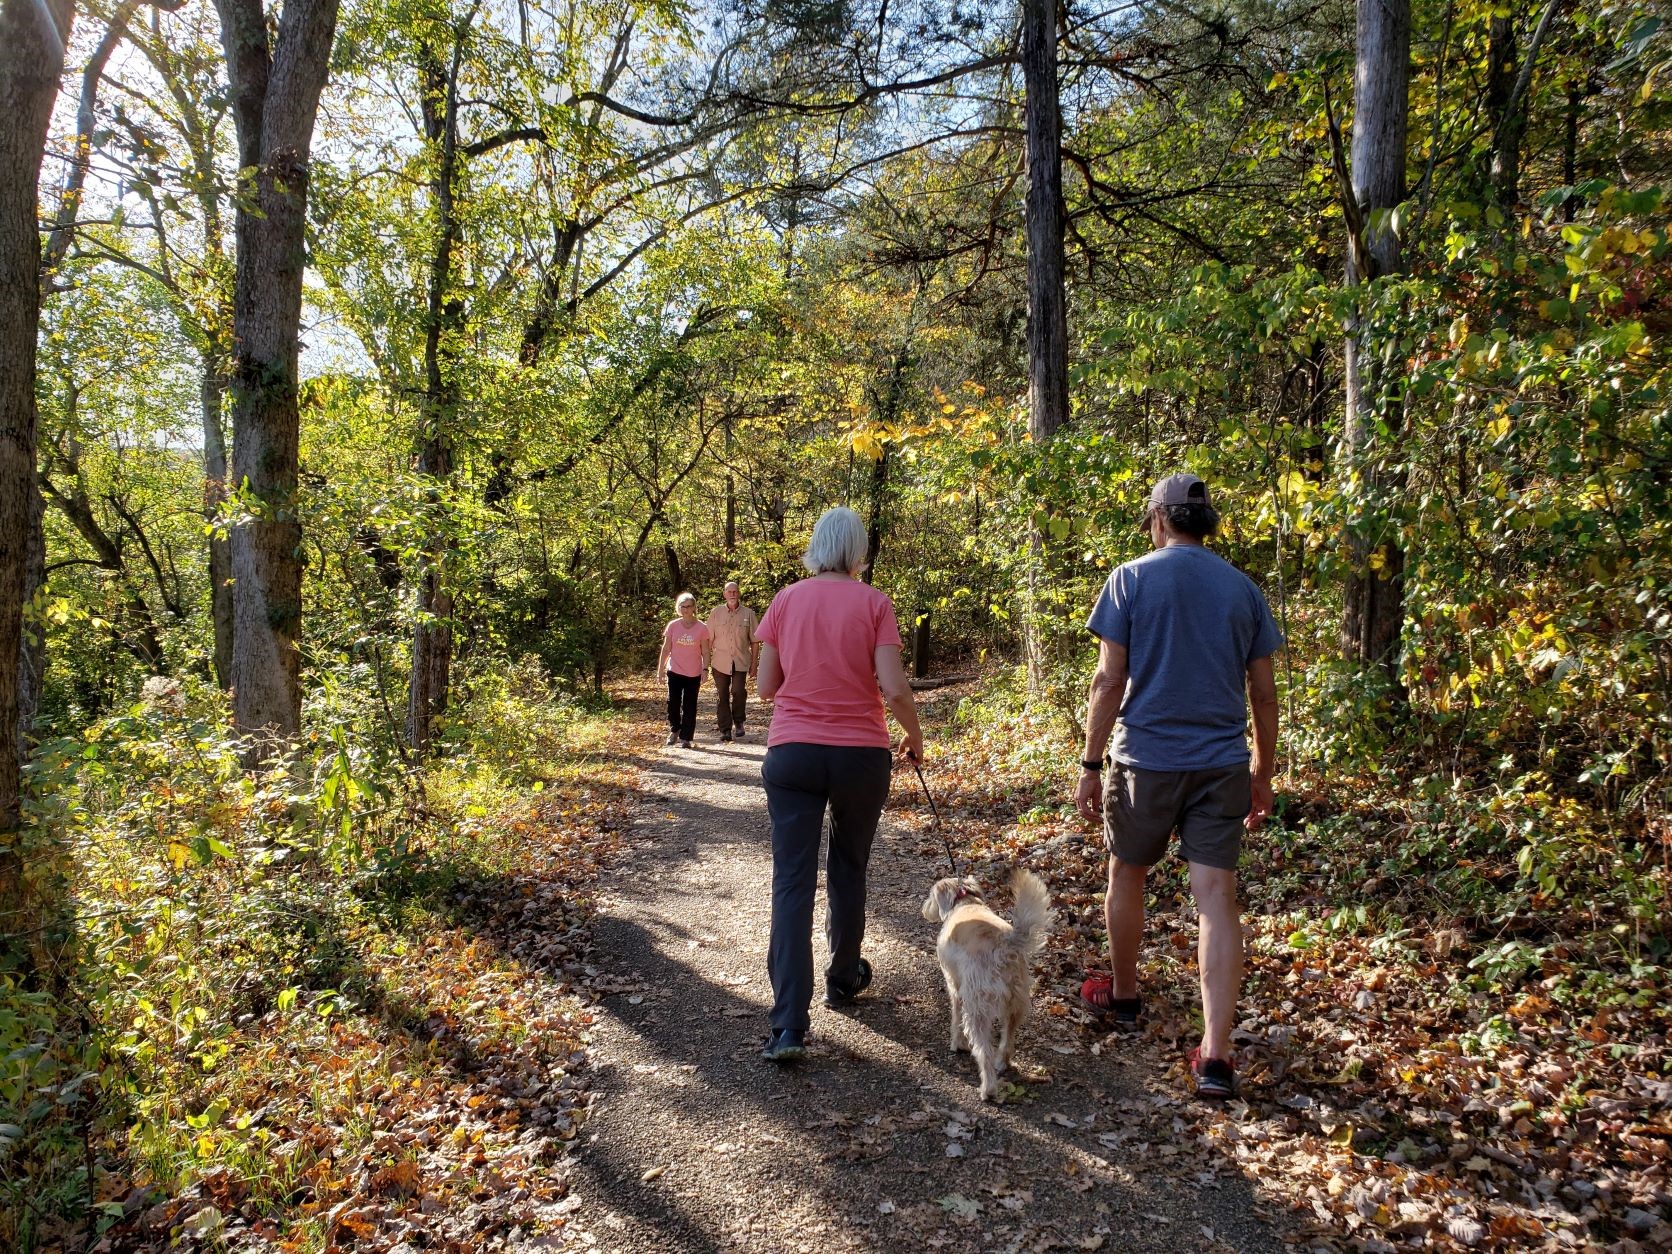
point(736, 657)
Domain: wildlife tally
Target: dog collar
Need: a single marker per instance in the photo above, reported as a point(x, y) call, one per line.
point(966, 892)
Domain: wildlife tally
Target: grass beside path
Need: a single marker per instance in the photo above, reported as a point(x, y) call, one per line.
point(380, 1046)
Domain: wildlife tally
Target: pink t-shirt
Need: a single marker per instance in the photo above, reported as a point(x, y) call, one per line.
point(685, 655)
point(827, 632)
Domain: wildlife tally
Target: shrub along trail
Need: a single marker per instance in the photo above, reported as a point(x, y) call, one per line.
point(878, 1141)
point(430, 1099)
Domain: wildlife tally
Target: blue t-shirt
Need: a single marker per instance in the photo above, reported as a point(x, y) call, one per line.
point(1191, 623)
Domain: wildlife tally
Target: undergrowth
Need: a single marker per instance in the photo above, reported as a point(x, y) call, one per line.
point(1513, 863)
point(1455, 1016)
point(238, 936)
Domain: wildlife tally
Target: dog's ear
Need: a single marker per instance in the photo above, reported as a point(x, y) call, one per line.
point(940, 899)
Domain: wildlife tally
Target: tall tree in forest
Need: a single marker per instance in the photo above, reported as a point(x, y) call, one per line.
point(277, 70)
point(182, 246)
point(443, 323)
point(1374, 610)
point(33, 37)
point(1047, 301)
point(200, 293)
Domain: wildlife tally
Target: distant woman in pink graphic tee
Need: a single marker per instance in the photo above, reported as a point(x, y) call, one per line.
point(684, 660)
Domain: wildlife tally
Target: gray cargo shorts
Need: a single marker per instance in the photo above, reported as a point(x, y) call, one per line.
point(1141, 809)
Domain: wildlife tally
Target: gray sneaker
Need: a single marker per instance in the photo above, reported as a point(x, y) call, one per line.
point(785, 1045)
point(673, 738)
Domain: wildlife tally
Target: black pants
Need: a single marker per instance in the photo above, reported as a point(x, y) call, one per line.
point(801, 781)
point(682, 704)
point(732, 687)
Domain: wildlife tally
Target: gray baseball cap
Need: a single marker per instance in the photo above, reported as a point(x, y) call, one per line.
point(1179, 489)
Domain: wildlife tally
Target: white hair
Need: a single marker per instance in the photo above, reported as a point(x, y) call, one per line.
point(684, 597)
point(839, 543)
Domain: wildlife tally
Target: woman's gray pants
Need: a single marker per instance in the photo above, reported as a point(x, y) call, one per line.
point(801, 780)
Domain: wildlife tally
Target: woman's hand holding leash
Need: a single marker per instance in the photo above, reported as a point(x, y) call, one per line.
point(911, 748)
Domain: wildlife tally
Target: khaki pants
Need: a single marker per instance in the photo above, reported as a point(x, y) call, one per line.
point(1142, 809)
point(732, 687)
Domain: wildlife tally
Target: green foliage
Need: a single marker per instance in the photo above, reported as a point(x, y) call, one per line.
point(48, 1086)
point(658, 351)
point(209, 900)
point(516, 726)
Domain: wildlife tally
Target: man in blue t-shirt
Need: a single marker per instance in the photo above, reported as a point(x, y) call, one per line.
point(1182, 635)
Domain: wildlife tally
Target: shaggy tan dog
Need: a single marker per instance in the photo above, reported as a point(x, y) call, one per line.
point(988, 965)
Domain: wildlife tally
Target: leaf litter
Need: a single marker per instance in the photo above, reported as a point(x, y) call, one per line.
point(1370, 1117)
point(437, 1105)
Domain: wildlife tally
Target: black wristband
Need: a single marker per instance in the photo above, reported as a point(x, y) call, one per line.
point(1092, 766)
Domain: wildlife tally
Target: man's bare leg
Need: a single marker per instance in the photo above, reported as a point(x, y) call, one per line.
point(1123, 912)
point(1218, 954)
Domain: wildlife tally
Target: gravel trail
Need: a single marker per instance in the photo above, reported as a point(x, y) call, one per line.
point(878, 1141)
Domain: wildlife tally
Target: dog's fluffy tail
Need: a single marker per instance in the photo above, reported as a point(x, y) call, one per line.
point(1032, 919)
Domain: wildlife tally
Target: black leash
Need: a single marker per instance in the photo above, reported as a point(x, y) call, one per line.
point(934, 810)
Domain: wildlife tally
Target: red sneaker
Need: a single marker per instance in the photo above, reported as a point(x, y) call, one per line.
point(1097, 995)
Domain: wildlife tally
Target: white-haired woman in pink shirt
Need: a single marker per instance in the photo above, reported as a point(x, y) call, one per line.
point(830, 660)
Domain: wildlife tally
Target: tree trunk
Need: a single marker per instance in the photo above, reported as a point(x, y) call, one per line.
point(888, 413)
point(33, 35)
point(676, 577)
point(211, 395)
point(275, 96)
point(1374, 609)
point(1508, 100)
point(873, 526)
point(731, 495)
point(1047, 302)
point(1507, 130)
point(432, 637)
point(920, 646)
point(731, 513)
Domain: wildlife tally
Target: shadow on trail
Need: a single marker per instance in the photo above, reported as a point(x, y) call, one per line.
point(821, 1113)
point(864, 1119)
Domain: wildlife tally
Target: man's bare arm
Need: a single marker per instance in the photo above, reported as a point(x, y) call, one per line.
point(1108, 692)
point(1262, 703)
